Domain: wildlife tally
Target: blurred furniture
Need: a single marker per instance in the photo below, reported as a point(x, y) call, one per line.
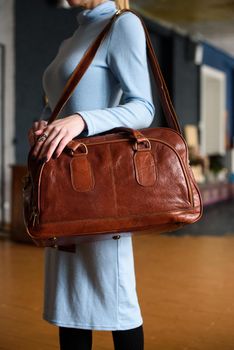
point(191, 136)
point(198, 163)
point(216, 192)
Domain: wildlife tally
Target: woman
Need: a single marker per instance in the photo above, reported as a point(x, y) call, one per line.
point(93, 288)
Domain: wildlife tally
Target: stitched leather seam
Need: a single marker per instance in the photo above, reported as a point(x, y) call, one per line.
point(115, 141)
point(131, 139)
point(125, 232)
point(186, 175)
point(179, 211)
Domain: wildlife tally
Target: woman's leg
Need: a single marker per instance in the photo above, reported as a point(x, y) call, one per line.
point(131, 339)
point(75, 339)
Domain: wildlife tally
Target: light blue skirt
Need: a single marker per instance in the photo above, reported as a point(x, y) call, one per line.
point(93, 288)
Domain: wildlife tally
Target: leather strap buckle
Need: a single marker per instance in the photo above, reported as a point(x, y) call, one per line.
point(118, 12)
point(145, 143)
point(79, 145)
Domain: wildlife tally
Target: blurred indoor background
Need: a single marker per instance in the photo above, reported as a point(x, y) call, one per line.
point(187, 290)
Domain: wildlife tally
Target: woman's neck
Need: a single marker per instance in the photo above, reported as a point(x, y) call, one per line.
point(92, 3)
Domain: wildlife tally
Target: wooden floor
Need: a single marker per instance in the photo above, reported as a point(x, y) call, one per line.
point(185, 288)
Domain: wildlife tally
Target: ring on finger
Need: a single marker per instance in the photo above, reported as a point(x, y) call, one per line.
point(42, 138)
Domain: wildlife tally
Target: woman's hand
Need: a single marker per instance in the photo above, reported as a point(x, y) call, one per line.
point(37, 126)
point(56, 137)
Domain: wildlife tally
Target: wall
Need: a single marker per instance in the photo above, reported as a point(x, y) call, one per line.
point(185, 81)
point(39, 30)
point(7, 39)
point(175, 53)
point(161, 39)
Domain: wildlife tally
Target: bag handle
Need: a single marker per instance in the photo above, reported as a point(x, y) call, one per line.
point(169, 111)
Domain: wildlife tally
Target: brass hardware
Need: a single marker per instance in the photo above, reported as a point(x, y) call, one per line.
point(118, 12)
point(116, 237)
point(34, 216)
point(55, 241)
point(147, 148)
point(73, 153)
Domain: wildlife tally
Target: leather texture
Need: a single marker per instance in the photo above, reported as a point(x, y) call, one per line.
point(124, 185)
point(120, 182)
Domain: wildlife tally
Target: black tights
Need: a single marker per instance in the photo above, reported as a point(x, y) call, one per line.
point(81, 339)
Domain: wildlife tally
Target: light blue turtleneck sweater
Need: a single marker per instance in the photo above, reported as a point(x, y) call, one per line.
point(120, 66)
point(94, 288)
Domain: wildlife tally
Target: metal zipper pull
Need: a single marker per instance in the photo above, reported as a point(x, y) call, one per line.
point(34, 216)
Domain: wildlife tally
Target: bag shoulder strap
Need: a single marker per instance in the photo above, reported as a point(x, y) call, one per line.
point(84, 63)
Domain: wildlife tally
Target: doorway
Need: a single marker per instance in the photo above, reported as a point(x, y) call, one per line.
point(213, 111)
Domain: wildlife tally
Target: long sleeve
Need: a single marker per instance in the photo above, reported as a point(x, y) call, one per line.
point(127, 61)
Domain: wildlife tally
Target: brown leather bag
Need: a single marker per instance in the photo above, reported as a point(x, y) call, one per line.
point(116, 183)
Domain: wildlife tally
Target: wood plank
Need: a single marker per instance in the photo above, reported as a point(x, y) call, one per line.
point(185, 289)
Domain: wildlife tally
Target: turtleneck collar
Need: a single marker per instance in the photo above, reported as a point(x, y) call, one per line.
point(97, 13)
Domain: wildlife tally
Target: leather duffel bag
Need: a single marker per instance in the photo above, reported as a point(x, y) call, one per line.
point(115, 183)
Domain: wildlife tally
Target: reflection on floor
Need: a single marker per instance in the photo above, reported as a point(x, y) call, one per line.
point(185, 287)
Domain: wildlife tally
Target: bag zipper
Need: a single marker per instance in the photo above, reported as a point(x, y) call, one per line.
point(34, 216)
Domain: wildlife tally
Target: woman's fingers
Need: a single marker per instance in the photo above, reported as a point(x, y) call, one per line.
point(39, 143)
point(50, 144)
point(31, 137)
point(40, 124)
point(39, 132)
point(53, 138)
point(36, 130)
point(62, 144)
point(56, 147)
